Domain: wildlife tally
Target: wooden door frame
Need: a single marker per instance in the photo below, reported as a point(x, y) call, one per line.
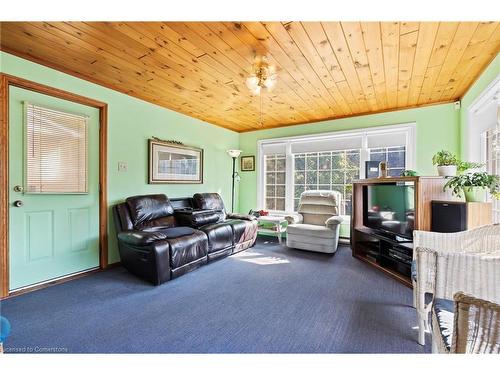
point(6, 81)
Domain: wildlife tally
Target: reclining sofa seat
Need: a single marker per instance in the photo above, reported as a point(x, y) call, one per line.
point(151, 244)
point(227, 233)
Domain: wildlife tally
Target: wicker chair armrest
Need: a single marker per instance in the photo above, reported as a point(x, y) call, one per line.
point(294, 218)
point(476, 325)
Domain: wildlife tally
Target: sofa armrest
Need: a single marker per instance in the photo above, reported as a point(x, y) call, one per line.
point(294, 218)
point(233, 215)
point(197, 218)
point(140, 238)
point(333, 221)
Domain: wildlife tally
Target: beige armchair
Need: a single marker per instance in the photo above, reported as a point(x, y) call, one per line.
point(316, 226)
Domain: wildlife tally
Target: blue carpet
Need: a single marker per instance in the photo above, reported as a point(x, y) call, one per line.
point(268, 299)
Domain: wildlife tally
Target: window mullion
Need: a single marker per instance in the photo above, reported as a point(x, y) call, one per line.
point(289, 170)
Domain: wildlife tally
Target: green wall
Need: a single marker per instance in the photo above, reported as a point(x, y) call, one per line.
point(437, 128)
point(131, 122)
point(489, 74)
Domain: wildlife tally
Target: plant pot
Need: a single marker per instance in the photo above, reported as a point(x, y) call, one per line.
point(475, 194)
point(447, 170)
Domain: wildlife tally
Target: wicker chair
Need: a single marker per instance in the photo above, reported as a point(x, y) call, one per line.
point(472, 327)
point(450, 262)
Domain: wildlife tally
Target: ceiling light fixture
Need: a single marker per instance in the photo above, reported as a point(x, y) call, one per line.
point(263, 77)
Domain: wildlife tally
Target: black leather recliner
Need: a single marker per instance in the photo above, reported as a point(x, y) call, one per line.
point(151, 244)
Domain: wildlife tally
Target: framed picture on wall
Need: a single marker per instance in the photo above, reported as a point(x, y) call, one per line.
point(174, 164)
point(247, 163)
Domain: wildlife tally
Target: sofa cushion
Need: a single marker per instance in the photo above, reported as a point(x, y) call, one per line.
point(187, 249)
point(220, 236)
point(150, 211)
point(309, 230)
point(443, 312)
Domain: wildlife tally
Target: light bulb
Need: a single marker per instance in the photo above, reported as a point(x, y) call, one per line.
point(252, 82)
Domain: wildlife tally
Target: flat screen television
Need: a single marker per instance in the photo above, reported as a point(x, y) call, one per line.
point(390, 208)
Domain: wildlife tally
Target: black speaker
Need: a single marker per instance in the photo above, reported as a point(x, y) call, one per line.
point(448, 217)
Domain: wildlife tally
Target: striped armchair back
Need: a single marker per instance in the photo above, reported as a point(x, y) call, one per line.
point(316, 206)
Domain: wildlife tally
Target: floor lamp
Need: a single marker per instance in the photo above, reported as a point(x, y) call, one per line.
point(235, 176)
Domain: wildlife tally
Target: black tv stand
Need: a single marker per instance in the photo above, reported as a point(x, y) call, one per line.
point(385, 252)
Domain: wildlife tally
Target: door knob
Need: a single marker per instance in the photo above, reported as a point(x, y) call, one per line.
point(18, 189)
point(18, 203)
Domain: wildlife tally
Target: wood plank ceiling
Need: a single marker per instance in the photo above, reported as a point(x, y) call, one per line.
point(326, 70)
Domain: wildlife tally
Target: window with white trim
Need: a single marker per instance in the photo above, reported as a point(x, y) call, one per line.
point(275, 182)
point(289, 166)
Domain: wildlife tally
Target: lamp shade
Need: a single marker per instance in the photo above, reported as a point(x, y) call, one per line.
point(234, 153)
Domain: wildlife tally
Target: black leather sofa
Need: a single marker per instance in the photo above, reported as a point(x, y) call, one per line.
point(159, 239)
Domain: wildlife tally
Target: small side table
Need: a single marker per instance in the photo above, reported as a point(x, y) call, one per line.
point(278, 225)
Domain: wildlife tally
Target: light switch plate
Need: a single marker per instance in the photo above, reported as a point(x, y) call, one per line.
point(122, 166)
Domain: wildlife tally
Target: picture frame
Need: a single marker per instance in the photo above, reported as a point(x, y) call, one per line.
point(171, 163)
point(247, 163)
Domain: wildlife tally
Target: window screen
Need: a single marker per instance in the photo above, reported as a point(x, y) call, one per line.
point(56, 151)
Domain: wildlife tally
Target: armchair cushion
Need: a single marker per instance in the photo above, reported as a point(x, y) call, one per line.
point(144, 238)
point(443, 314)
point(310, 230)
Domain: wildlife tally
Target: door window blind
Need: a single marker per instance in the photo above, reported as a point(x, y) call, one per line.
point(56, 151)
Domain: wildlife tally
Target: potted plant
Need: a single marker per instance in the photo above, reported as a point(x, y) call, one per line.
point(446, 162)
point(464, 166)
point(474, 186)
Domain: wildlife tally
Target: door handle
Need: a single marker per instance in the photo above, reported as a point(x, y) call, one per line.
point(18, 204)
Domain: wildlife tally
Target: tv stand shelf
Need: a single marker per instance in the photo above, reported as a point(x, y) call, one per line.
point(384, 251)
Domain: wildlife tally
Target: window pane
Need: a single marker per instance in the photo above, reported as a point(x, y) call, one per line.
point(280, 164)
point(296, 204)
point(280, 191)
point(270, 204)
point(351, 175)
point(337, 161)
point(395, 172)
point(312, 162)
point(300, 163)
point(280, 204)
point(298, 190)
point(378, 156)
point(270, 163)
point(337, 177)
point(396, 159)
point(280, 178)
point(325, 162)
point(270, 191)
point(352, 160)
point(324, 177)
point(324, 187)
point(311, 178)
point(300, 178)
point(270, 178)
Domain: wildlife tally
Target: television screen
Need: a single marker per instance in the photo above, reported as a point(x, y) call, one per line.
point(390, 208)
